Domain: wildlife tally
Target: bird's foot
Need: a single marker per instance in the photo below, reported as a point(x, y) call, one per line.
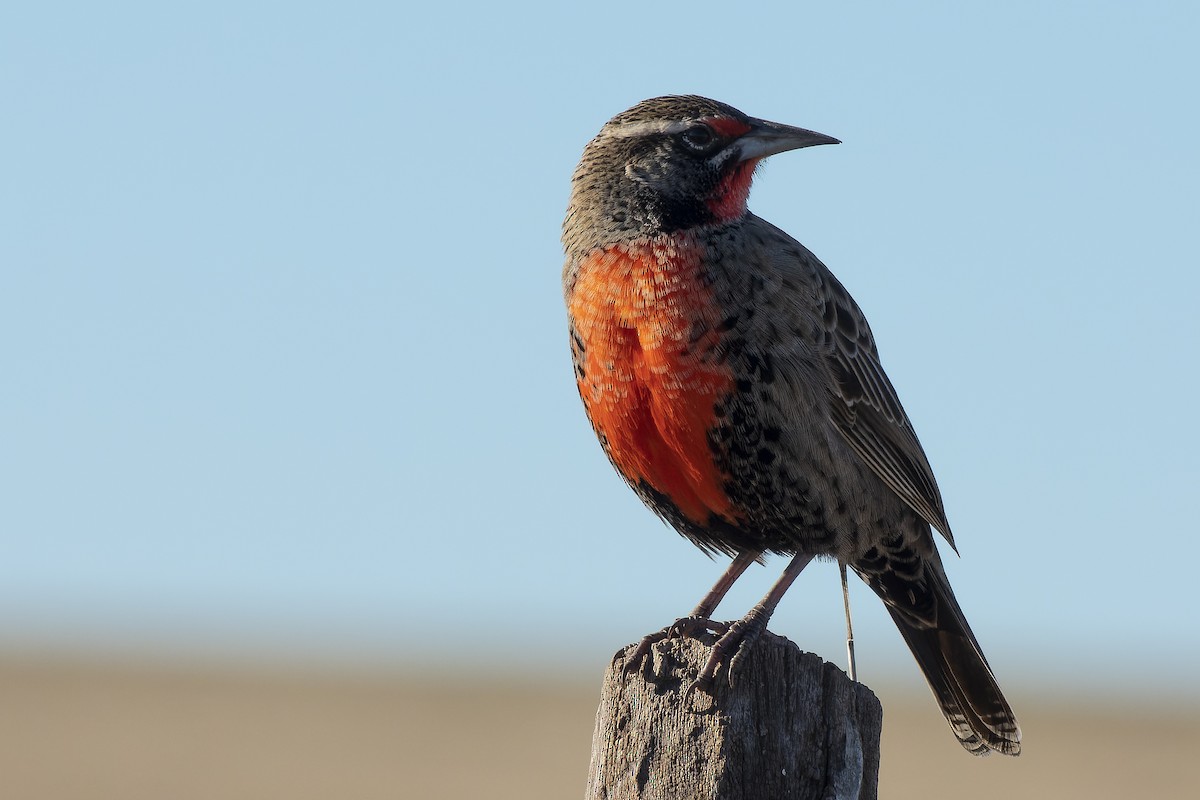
point(692, 626)
point(733, 645)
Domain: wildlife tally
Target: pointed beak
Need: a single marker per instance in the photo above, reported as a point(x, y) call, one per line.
point(768, 138)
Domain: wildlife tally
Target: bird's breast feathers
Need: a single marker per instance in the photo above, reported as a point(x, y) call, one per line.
point(646, 335)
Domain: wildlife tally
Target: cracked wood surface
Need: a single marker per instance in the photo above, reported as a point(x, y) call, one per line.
point(791, 726)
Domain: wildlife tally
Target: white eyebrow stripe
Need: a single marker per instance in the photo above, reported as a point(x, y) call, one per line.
point(652, 126)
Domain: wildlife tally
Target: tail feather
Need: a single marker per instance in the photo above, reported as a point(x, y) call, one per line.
point(932, 624)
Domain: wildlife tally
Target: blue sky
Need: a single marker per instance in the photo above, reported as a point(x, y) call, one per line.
point(285, 352)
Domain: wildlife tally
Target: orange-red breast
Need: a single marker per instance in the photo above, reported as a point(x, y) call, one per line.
point(735, 385)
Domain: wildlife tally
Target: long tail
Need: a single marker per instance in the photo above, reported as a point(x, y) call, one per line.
point(922, 604)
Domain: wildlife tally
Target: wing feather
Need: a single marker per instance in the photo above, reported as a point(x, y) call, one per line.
point(867, 409)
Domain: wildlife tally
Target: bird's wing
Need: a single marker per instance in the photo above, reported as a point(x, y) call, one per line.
point(866, 409)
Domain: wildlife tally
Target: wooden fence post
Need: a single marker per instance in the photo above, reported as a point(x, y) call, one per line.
point(791, 726)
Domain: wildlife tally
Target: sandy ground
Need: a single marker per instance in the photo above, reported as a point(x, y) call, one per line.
point(73, 730)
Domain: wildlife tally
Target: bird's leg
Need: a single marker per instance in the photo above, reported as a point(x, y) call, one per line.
point(700, 618)
point(741, 635)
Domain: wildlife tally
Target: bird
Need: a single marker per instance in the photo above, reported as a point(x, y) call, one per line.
point(736, 386)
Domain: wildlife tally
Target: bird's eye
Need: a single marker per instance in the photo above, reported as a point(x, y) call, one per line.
point(699, 138)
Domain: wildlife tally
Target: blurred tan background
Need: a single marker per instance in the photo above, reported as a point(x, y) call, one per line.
point(72, 730)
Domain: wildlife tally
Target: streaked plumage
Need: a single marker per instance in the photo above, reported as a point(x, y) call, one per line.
point(736, 385)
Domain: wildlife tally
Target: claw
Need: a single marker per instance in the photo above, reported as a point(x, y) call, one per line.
point(690, 626)
point(733, 645)
point(642, 650)
point(749, 637)
point(693, 626)
point(736, 639)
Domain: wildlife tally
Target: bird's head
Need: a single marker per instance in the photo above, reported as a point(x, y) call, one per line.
point(672, 163)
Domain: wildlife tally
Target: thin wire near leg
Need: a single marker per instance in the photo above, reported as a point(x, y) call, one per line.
point(853, 668)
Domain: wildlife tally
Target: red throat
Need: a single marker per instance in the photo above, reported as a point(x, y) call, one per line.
point(728, 200)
